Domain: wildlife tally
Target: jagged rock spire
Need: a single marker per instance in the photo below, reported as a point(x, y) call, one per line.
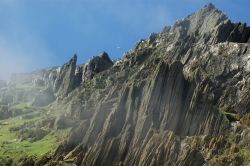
point(66, 78)
point(199, 23)
point(210, 6)
point(97, 64)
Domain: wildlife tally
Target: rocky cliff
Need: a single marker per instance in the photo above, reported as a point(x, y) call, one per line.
point(180, 97)
point(175, 99)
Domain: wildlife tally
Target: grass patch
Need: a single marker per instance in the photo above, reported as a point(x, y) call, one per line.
point(231, 116)
point(21, 106)
point(25, 86)
point(244, 152)
point(11, 146)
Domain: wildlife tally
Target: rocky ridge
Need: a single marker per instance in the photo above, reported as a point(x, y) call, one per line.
point(175, 99)
point(180, 97)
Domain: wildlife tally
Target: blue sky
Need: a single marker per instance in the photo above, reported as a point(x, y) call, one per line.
point(41, 33)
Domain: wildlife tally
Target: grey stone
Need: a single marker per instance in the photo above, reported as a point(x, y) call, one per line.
point(95, 65)
point(65, 81)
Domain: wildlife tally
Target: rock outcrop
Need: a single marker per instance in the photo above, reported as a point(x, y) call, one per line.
point(172, 100)
point(180, 97)
point(95, 65)
point(57, 82)
point(65, 81)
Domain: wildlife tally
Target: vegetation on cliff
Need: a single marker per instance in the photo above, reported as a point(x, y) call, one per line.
point(180, 97)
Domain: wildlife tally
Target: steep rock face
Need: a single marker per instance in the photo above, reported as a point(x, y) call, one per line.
point(61, 80)
point(65, 80)
point(142, 114)
point(227, 67)
point(95, 65)
point(180, 97)
point(50, 76)
point(204, 28)
point(172, 100)
point(42, 87)
point(79, 75)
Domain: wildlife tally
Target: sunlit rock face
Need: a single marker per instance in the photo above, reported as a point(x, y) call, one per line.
point(96, 65)
point(180, 97)
point(172, 100)
point(65, 80)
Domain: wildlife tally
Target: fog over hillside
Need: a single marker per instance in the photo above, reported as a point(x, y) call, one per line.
point(180, 96)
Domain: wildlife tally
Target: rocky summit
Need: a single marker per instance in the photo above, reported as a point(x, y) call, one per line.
point(180, 97)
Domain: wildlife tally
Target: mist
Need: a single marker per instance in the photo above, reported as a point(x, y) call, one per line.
point(21, 48)
point(24, 56)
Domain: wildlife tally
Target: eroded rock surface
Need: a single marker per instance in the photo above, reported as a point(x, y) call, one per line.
point(180, 97)
point(175, 99)
point(65, 81)
point(95, 65)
